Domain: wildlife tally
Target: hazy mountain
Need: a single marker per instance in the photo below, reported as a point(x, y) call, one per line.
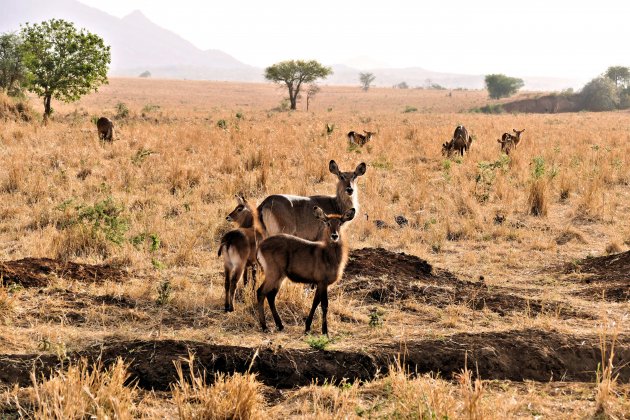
point(137, 43)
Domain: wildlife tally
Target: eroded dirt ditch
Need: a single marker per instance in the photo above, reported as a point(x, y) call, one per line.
point(515, 355)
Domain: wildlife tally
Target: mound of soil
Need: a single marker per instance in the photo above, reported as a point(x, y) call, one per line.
point(38, 272)
point(549, 104)
point(514, 355)
point(14, 110)
point(382, 276)
point(607, 277)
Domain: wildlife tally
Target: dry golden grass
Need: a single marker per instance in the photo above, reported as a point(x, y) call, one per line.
point(172, 171)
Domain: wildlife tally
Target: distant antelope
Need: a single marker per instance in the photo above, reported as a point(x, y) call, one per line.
point(105, 128)
point(317, 263)
point(238, 248)
point(360, 139)
point(460, 142)
point(293, 214)
point(509, 141)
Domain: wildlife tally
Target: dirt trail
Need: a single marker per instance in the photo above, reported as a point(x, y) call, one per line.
point(38, 272)
point(515, 355)
point(606, 277)
point(383, 276)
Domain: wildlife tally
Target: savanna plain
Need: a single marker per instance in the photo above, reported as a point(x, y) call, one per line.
point(482, 286)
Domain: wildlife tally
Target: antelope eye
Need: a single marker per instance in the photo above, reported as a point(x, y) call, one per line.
point(239, 208)
point(342, 177)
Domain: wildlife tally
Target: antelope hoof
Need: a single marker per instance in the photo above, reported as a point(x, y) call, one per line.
point(280, 327)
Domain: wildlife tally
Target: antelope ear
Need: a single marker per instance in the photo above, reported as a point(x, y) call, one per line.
point(319, 213)
point(240, 199)
point(514, 129)
point(333, 168)
point(348, 215)
point(360, 170)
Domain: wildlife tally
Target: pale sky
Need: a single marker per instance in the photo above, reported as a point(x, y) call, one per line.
point(577, 39)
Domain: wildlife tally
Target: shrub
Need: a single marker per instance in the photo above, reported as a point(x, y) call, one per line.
point(502, 86)
point(122, 111)
point(318, 343)
point(410, 109)
point(489, 109)
point(599, 94)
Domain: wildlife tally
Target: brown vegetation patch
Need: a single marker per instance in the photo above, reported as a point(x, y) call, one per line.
point(383, 276)
point(38, 272)
point(606, 277)
point(514, 355)
point(14, 110)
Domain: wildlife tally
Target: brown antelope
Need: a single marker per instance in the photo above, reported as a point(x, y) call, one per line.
point(460, 142)
point(360, 139)
point(292, 214)
point(238, 248)
point(317, 263)
point(509, 141)
point(105, 128)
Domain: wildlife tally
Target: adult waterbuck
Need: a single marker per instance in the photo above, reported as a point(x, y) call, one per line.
point(105, 128)
point(293, 215)
point(238, 248)
point(460, 142)
point(318, 263)
point(360, 139)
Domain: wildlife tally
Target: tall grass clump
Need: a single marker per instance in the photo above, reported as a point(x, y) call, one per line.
point(83, 391)
point(537, 198)
point(606, 379)
point(230, 397)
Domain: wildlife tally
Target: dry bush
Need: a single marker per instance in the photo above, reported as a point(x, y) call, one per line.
point(83, 391)
point(229, 397)
point(606, 380)
point(7, 304)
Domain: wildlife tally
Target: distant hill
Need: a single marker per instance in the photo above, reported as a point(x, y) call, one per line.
point(139, 45)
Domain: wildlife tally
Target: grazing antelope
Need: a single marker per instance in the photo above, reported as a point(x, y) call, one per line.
point(317, 263)
point(460, 142)
point(292, 214)
point(360, 139)
point(510, 141)
point(105, 128)
point(238, 248)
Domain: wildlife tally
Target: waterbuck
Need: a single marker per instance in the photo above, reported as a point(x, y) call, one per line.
point(238, 248)
point(460, 142)
point(360, 139)
point(105, 128)
point(292, 214)
point(317, 263)
point(510, 141)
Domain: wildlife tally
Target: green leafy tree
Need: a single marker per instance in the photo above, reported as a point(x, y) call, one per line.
point(294, 73)
point(366, 80)
point(619, 74)
point(61, 62)
point(12, 71)
point(502, 86)
point(600, 94)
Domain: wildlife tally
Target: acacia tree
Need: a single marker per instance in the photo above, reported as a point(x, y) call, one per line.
point(61, 62)
point(366, 80)
point(294, 73)
point(312, 90)
point(502, 86)
point(12, 72)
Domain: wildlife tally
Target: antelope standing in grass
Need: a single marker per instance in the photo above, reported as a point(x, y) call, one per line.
point(460, 142)
point(318, 263)
point(510, 141)
point(238, 248)
point(360, 139)
point(105, 128)
point(293, 215)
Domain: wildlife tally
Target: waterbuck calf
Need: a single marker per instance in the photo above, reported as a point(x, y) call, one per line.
point(105, 128)
point(317, 263)
point(238, 248)
point(293, 215)
point(460, 142)
point(509, 141)
point(360, 139)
